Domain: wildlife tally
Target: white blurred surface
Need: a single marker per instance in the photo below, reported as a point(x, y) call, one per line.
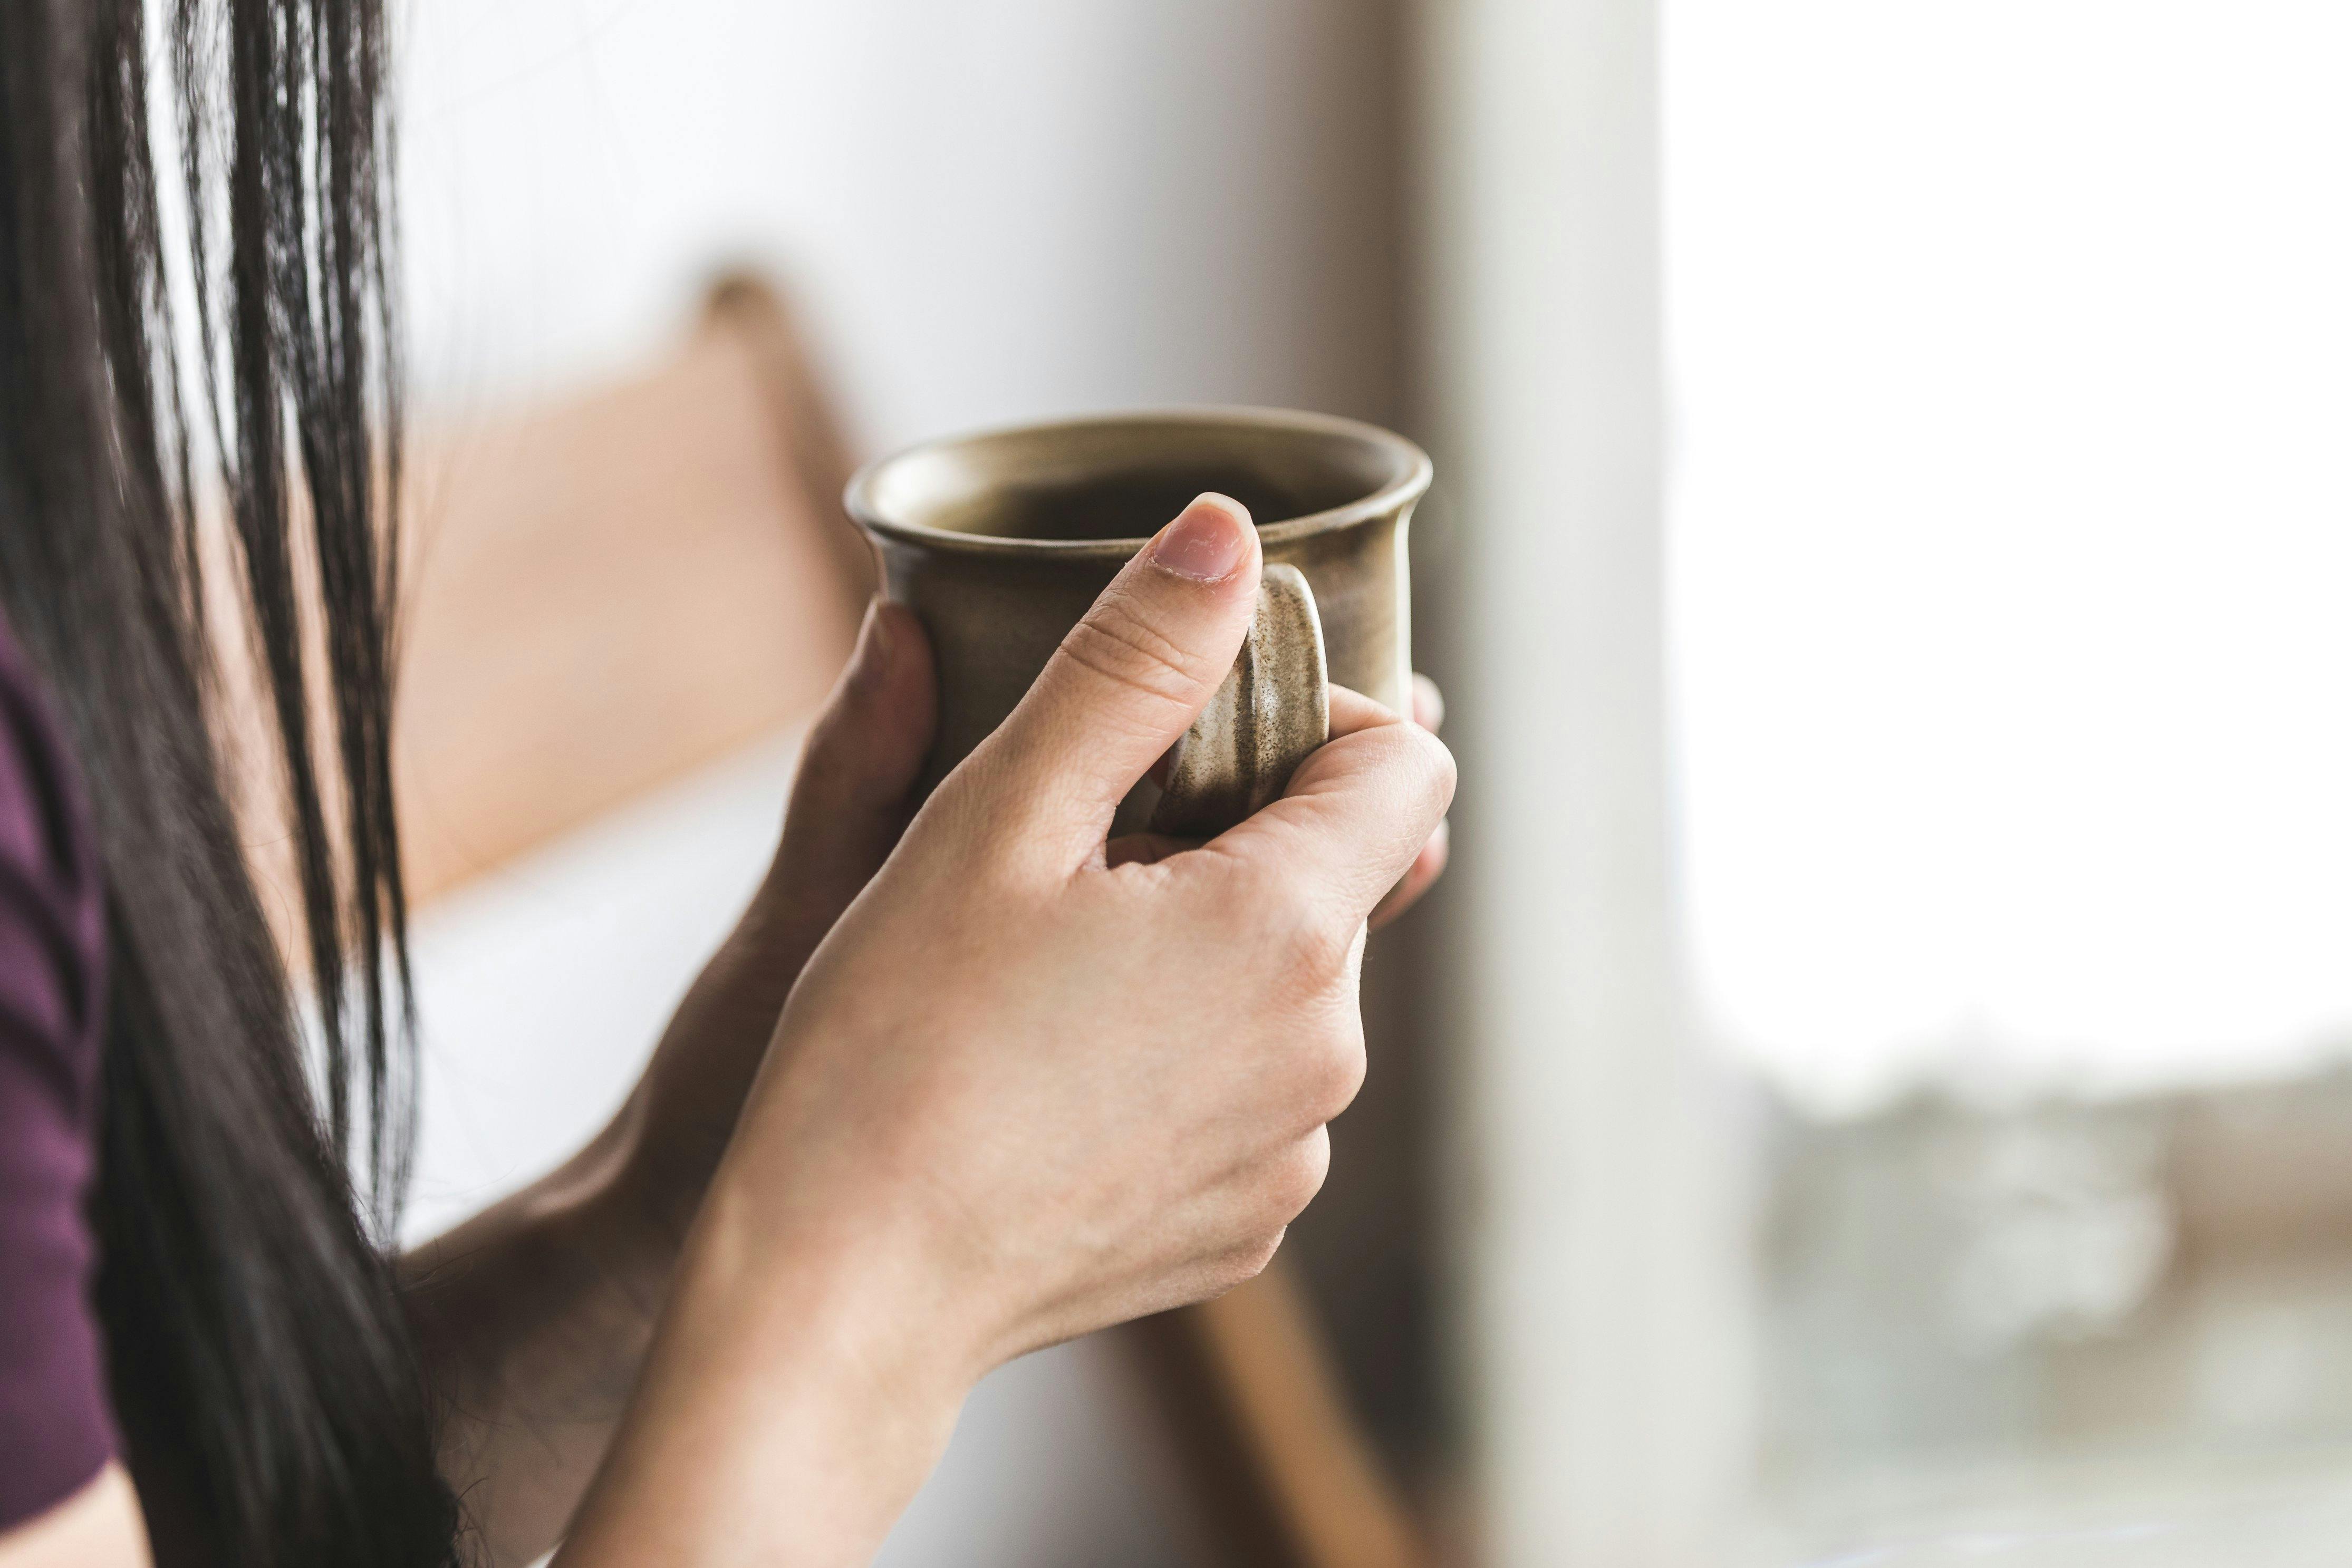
point(2010, 524)
point(1596, 1223)
point(987, 211)
point(2150, 1514)
point(541, 990)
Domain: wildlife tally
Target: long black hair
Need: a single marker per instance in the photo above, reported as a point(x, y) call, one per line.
point(210, 331)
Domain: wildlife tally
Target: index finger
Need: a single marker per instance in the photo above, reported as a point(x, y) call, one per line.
point(1359, 810)
point(1351, 710)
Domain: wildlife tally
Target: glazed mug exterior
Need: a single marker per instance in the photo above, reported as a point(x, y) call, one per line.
point(999, 541)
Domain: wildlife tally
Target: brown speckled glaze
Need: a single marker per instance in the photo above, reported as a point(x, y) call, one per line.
point(1271, 710)
point(999, 541)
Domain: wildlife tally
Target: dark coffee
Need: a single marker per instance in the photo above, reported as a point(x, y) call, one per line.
point(1133, 506)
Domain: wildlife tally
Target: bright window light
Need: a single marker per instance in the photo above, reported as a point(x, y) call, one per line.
point(2011, 534)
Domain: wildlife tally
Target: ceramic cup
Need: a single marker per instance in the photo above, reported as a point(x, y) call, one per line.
point(999, 541)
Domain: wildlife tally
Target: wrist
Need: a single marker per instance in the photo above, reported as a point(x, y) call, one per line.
point(802, 1385)
point(785, 1269)
point(670, 1137)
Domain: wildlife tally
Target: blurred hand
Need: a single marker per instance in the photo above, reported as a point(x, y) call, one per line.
point(534, 1316)
point(851, 800)
point(1429, 712)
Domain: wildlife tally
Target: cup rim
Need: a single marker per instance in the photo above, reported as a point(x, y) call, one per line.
point(858, 495)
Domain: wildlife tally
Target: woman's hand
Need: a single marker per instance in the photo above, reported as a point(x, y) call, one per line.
point(851, 800)
point(1026, 1088)
point(1087, 1092)
point(534, 1316)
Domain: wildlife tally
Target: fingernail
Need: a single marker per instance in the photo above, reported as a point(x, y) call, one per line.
point(1207, 543)
point(871, 661)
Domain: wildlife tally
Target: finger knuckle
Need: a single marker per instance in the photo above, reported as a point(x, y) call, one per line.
point(1117, 643)
point(1251, 1257)
point(1299, 1176)
point(1335, 1070)
point(1311, 947)
point(1290, 919)
point(1434, 760)
point(1254, 884)
point(1236, 1265)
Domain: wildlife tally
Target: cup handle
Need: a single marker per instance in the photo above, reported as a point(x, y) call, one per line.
point(1271, 711)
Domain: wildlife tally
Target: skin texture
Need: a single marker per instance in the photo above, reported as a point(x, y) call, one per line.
point(98, 1527)
point(951, 1092)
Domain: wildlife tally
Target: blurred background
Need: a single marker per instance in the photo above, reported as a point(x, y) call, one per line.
point(1877, 1084)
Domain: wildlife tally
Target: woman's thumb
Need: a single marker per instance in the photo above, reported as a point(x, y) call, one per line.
point(1125, 683)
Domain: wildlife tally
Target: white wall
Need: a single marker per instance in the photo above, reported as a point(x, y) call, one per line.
point(2009, 538)
point(989, 210)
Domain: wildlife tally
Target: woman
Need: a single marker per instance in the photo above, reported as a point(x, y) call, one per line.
point(956, 1087)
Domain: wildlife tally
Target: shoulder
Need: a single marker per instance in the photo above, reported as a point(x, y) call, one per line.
point(53, 1430)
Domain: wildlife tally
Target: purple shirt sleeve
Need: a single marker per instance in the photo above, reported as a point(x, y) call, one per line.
point(56, 1431)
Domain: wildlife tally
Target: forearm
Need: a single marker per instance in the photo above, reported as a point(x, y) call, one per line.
point(533, 1316)
point(786, 1415)
point(778, 1383)
point(533, 1319)
point(536, 1316)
